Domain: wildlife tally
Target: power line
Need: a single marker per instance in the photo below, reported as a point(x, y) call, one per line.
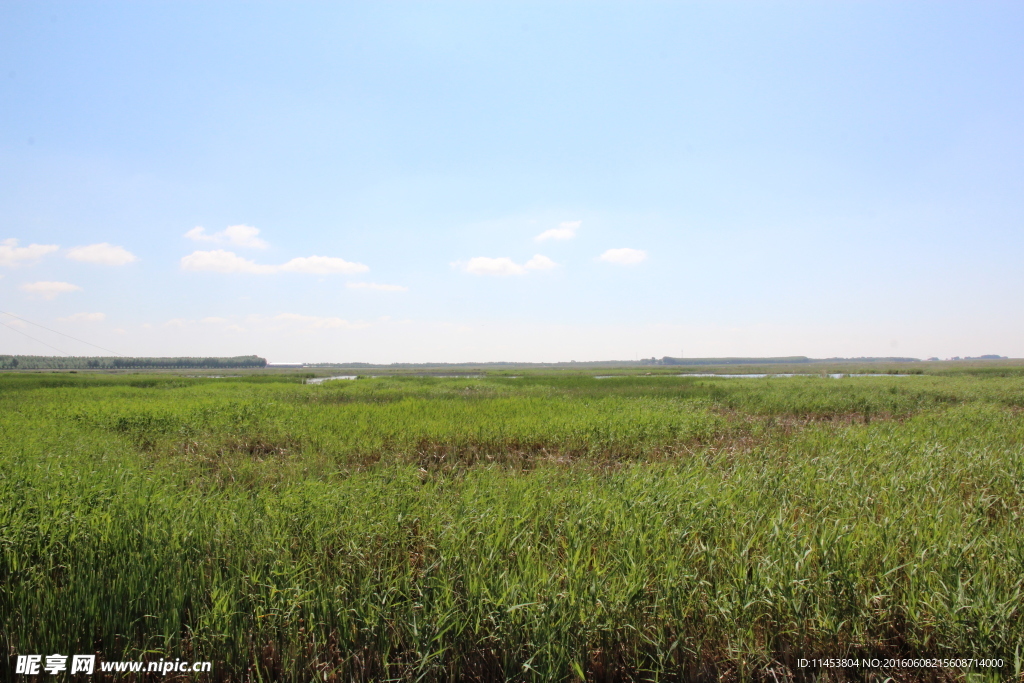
point(34, 339)
point(60, 333)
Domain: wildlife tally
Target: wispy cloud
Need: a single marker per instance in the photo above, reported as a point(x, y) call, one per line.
point(624, 256)
point(84, 318)
point(566, 230)
point(540, 262)
point(13, 255)
point(322, 265)
point(180, 323)
point(484, 265)
point(103, 254)
point(320, 323)
point(504, 266)
point(235, 235)
point(378, 287)
point(222, 261)
point(49, 290)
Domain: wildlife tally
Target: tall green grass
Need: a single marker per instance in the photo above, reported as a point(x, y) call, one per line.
point(541, 528)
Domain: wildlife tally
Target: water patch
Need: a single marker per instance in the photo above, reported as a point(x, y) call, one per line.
point(321, 380)
point(748, 376)
point(837, 375)
point(434, 376)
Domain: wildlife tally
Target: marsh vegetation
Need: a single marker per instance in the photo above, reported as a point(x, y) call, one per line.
point(535, 528)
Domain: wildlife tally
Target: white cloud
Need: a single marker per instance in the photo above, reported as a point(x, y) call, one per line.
point(235, 235)
point(322, 265)
point(221, 261)
point(378, 287)
point(104, 254)
point(84, 318)
point(211, 320)
point(13, 255)
point(624, 256)
point(49, 290)
point(484, 265)
point(320, 323)
point(540, 262)
point(566, 230)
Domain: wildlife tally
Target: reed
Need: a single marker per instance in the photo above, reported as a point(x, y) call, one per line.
point(539, 528)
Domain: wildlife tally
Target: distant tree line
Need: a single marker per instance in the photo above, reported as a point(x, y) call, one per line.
point(667, 360)
point(125, 363)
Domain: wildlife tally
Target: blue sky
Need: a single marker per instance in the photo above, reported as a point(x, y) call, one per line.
point(712, 178)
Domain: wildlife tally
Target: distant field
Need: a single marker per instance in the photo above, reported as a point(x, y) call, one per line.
point(540, 527)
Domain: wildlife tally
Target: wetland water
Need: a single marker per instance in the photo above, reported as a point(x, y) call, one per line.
point(321, 380)
point(836, 375)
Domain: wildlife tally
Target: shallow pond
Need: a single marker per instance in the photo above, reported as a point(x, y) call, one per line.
point(321, 380)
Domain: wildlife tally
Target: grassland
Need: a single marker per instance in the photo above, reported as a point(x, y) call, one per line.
point(546, 527)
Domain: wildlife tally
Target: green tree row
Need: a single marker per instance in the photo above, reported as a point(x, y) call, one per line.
point(122, 362)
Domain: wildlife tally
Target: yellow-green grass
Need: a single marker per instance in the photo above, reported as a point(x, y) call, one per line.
point(540, 528)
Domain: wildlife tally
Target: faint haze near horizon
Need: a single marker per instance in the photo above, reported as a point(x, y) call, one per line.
point(543, 182)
